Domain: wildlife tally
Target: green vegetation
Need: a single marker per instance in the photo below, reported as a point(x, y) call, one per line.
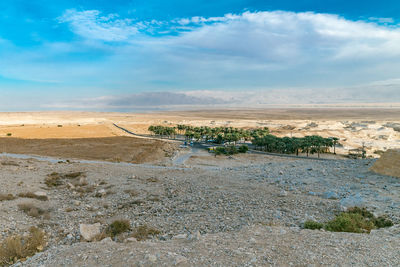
point(118, 227)
point(243, 149)
point(260, 138)
point(229, 150)
point(293, 145)
point(218, 135)
point(9, 134)
point(355, 220)
point(313, 225)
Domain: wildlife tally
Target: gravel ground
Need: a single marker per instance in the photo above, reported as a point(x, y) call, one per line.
point(245, 211)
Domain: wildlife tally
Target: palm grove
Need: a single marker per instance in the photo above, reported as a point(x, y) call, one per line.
point(260, 138)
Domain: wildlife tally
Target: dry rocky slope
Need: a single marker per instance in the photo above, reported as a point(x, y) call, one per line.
point(388, 164)
point(244, 211)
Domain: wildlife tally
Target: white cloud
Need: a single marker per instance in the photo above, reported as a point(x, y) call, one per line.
point(275, 56)
point(89, 24)
point(382, 20)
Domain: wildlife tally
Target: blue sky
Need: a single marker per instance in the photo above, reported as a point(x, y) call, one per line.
point(98, 54)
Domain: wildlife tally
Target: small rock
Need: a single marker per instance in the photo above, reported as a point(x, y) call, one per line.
point(330, 195)
point(151, 257)
point(180, 260)
point(180, 236)
point(106, 240)
point(40, 194)
point(71, 186)
point(101, 193)
point(283, 193)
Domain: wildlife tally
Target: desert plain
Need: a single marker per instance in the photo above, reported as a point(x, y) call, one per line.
point(71, 170)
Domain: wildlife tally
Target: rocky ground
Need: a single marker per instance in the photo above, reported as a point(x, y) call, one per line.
point(242, 211)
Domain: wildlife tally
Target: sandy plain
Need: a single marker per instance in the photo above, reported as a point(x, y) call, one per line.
point(376, 128)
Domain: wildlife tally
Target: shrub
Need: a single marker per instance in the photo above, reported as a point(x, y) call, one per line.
point(243, 149)
point(33, 211)
point(354, 220)
point(132, 192)
point(4, 197)
point(9, 134)
point(33, 195)
point(143, 232)
point(54, 179)
point(219, 150)
point(350, 222)
point(18, 247)
point(117, 227)
point(313, 225)
point(382, 222)
point(231, 150)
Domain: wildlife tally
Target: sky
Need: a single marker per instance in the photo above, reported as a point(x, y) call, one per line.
point(130, 54)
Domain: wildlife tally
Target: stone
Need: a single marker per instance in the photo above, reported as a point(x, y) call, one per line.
point(180, 236)
point(151, 257)
point(89, 231)
point(107, 240)
point(180, 260)
point(330, 195)
point(101, 193)
point(40, 194)
point(283, 193)
point(71, 186)
point(82, 181)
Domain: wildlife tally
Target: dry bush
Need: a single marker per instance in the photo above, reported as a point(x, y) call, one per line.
point(69, 209)
point(32, 195)
point(144, 232)
point(132, 192)
point(4, 197)
point(9, 163)
point(153, 198)
point(152, 180)
point(33, 211)
point(72, 175)
point(19, 247)
point(85, 190)
point(55, 179)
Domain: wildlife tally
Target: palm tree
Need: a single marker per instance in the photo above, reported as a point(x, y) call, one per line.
point(335, 141)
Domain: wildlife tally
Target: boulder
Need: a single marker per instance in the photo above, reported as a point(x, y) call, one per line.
point(90, 231)
point(388, 163)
